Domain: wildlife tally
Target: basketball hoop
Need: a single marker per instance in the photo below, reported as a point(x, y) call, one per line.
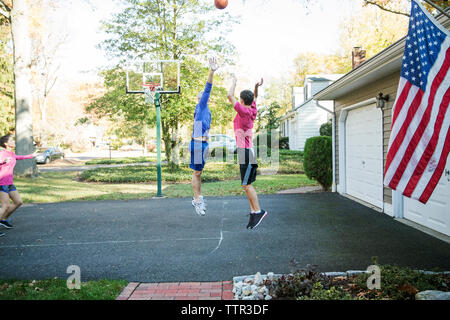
point(149, 89)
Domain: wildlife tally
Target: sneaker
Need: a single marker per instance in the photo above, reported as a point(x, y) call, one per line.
point(250, 220)
point(258, 217)
point(203, 201)
point(199, 207)
point(5, 224)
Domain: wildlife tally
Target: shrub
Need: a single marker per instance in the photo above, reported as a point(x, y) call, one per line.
point(326, 129)
point(300, 283)
point(402, 283)
point(320, 293)
point(318, 160)
point(216, 152)
point(284, 143)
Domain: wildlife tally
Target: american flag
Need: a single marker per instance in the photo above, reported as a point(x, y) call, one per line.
point(420, 138)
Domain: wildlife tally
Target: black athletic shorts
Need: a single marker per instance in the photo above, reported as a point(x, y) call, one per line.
point(247, 165)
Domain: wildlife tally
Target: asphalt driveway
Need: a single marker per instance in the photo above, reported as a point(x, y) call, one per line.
point(159, 240)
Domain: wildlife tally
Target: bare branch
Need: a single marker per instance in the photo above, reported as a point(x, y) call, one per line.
point(5, 13)
point(385, 9)
point(5, 10)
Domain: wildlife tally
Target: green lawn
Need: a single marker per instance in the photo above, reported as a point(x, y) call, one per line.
point(56, 289)
point(289, 162)
point(63, 186)
point(139, 174)
point(263, 185)
point(120, 160)
point(139, 182)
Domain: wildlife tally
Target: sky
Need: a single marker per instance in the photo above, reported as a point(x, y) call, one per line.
point(271, 33)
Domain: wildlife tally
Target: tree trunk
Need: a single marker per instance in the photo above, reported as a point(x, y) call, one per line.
point(22, 87)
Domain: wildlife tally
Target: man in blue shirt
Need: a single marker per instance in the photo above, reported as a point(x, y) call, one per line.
point(199, 143)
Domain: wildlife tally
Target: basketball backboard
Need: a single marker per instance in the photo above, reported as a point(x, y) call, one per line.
point(163, 75)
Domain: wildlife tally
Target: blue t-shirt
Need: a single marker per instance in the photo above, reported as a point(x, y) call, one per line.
point(202, 115)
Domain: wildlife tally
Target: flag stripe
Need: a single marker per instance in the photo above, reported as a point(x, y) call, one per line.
point(437, 172)
point(402, 115)
point(401, 98)
point(399, 138)
point(429, 171)
point(431, 147)
point(421, 136)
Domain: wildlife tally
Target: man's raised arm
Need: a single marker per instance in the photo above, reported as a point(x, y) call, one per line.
point(258, 84)
point(230, 96)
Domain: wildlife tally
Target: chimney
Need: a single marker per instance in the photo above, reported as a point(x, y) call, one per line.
point(358, 57)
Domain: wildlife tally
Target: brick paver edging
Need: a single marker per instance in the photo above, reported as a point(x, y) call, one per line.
point(178, 291)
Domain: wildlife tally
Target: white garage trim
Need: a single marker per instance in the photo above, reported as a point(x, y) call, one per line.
point(342, 187)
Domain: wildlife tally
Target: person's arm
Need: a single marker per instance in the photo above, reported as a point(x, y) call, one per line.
point(4, 161)
point(230, 96)
point(28, 156)
point(212, 68)
point(205, 96)
point(258, 84)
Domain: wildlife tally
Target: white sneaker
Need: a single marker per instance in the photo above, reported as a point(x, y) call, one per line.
point(199, 207)
point(203, 201)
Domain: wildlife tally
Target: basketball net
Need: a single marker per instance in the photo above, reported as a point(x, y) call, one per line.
point(149, 90)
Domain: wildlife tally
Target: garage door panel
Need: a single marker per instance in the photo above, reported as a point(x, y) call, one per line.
point(435, 214)
point(363, 145)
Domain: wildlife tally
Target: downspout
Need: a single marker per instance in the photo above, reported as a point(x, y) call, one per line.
point(333, 143)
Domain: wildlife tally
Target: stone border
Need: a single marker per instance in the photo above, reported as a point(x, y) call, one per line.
point(251, 287)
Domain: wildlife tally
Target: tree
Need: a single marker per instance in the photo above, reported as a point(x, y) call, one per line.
point(269, 116)
point(175, 30)
point(326, 129)
point(383, 30)
point(401, 7)
point(17, 14)
point(45, 47)
point(279, 91)
point(6, 79)
point(315, 63)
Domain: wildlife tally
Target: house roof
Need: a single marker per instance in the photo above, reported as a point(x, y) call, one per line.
point(304, 104)
point(323, 77)
point(382, 64)
point(287, 115)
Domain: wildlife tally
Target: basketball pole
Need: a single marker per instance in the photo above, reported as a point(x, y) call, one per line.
point(158, 142)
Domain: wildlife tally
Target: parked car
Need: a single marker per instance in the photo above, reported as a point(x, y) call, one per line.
point(48, 154)
point(222, 141)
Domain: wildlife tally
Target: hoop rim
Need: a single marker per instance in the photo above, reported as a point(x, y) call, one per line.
point(151, 85)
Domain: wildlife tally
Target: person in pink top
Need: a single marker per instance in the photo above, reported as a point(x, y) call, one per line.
point(243, 129)
point(7, 189)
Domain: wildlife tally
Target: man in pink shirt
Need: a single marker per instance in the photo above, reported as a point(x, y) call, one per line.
point(243, 129)
point(7, 189)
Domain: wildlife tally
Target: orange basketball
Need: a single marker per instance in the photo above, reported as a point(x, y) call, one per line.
point(221, 4)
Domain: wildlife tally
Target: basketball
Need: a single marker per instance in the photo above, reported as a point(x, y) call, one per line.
point(221, 4)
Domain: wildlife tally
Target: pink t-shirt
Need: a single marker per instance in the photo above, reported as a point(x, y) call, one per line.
point(7, 169)
point(243, 124)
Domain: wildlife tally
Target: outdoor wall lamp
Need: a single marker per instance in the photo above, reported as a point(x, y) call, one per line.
point(381, 99)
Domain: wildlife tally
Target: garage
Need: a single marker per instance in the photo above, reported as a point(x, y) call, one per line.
point(363, 154)
point(435, 214)
point(361, 140)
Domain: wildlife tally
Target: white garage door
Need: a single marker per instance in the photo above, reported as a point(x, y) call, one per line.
point(436, 213)
point(364, 155)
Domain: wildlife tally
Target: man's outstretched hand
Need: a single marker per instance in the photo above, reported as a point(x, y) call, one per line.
point(258, 84)
point(213, 64)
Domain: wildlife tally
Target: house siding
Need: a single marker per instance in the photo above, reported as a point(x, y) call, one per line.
point(307, 123)
point(387, 85)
